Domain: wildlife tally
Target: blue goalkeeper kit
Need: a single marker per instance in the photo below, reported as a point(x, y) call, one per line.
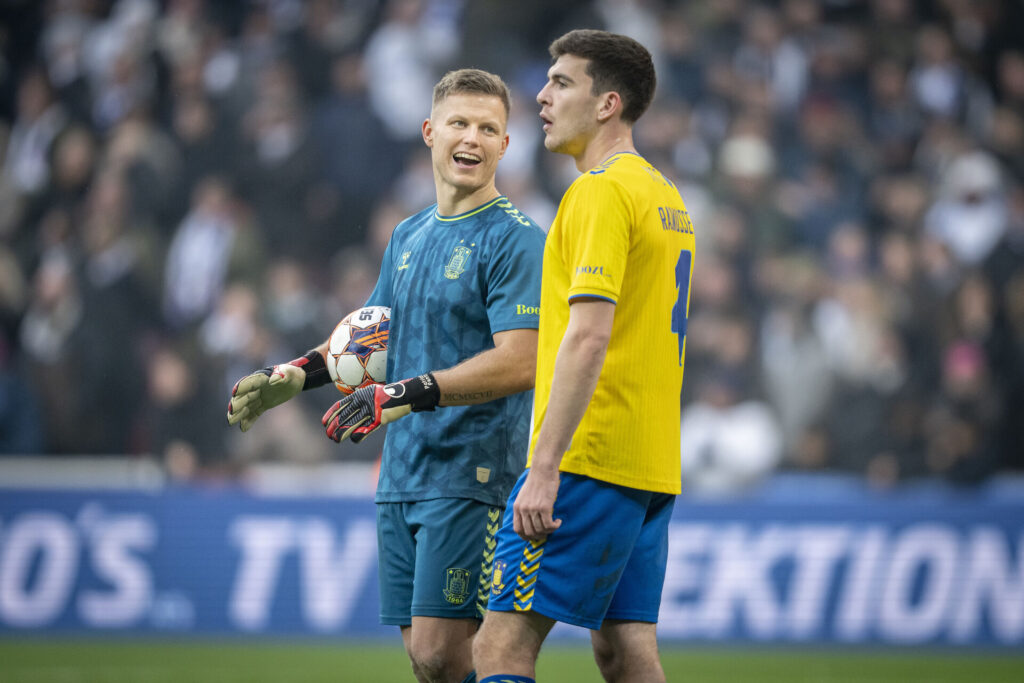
point(452, 282)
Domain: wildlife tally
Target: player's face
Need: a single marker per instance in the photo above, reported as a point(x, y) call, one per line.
point(567, 107)
point(466, 136)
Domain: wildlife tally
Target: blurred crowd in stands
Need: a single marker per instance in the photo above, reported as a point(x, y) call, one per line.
point(193, 189)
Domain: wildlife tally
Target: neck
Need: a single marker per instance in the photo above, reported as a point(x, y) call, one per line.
point(609, 140)
point(451, 201)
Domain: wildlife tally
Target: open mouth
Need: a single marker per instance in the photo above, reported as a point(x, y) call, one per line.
point(466, 160)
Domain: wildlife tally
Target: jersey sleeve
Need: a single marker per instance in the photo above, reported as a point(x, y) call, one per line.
point(381, 294)
point(596, 244)
point(513, 280)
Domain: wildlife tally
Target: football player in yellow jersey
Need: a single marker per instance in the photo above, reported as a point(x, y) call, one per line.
point(588, 538)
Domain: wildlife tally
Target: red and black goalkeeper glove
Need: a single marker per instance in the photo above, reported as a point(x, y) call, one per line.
point(367, 409)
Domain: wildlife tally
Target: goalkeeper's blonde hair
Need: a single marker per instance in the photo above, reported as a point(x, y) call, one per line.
point(472, 81)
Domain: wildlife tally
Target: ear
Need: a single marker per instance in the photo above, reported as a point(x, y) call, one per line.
point(608, 105)
point(504, 146)
point(428, 133)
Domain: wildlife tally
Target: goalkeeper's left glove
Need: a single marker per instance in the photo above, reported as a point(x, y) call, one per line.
point(366, 409)
point(262, 390)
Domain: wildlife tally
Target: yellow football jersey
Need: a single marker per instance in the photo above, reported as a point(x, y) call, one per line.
point(622, 233)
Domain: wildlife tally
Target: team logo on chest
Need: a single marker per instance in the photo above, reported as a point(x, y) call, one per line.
point(456, 585)
point(458, 261)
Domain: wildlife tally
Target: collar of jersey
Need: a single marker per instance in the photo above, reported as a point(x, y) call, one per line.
point(604, 164)
point(471, 212)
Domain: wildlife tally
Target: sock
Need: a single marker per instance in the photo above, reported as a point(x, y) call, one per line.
point(508, 678)
point(471, 678)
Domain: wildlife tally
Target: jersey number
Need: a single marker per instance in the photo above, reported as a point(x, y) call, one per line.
point(679, 310)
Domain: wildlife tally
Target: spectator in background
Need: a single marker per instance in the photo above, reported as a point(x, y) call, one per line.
point(40, 118)
point(970, 216)
point(20, 425)
point(212, 245)
point(403, 56)
point(279, 161)
point(206, 147)
point(960, 427)
point(359, 157)
point(821, 148)
point(47, 331)
point(176, 427)
point(729, 443)
point(119, 301)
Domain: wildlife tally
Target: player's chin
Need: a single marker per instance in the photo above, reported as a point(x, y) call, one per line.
point(469, 182)
point(553, 144)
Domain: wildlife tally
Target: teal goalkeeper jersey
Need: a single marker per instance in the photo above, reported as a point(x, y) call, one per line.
point(452, 282)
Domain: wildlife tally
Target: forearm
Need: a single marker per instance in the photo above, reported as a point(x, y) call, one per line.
point(577, 368)
point(506, 369)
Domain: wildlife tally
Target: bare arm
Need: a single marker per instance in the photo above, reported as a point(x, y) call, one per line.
point(506, 369)
point(577, 368)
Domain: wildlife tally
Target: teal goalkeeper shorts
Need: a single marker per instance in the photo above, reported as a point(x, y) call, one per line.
point(434, 558)
point(606, 561)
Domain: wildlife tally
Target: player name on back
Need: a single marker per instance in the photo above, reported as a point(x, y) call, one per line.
point(675, 219)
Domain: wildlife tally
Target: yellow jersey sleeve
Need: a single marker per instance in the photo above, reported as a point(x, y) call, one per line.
point(595, 252)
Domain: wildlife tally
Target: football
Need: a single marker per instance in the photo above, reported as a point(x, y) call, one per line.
point(357, 354)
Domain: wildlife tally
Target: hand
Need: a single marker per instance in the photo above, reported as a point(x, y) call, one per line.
point(261, 391)
point(367, 409)
point(534, 508)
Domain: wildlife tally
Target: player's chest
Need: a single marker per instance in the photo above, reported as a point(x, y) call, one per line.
point(445, 269)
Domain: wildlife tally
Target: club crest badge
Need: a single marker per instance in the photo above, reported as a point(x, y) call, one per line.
point(498, 581)
point(457, 263)
point(456, 585)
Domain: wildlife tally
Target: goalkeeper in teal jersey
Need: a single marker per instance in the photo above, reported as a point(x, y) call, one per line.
point(462, 279)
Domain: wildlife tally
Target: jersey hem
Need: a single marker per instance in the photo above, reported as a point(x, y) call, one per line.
point(592, 296)
point(557, 615)
point(632, 483)
point(592, 291)
point(514, 326)
point(412, 497)
point(627, 615)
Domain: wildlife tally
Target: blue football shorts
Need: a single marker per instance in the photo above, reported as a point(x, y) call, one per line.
point(434, 558)
point(606, 561)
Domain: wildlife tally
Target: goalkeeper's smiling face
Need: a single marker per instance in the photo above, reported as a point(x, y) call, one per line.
point(466, 135)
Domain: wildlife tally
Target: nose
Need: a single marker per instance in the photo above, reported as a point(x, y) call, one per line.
point(471, 134)
point(542, 96)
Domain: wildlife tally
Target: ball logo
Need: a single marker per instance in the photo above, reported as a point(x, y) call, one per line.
point(366, 340)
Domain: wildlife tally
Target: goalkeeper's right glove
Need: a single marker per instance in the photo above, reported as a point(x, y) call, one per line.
point(269, 387)
point(373, 406)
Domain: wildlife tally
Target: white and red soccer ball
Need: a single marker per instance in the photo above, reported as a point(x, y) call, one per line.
point(357, 354)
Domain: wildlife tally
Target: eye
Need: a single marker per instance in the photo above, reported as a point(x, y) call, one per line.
point(459, 124)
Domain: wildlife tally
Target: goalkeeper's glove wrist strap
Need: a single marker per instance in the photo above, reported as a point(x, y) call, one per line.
point(422, 392)
point(315, 367)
